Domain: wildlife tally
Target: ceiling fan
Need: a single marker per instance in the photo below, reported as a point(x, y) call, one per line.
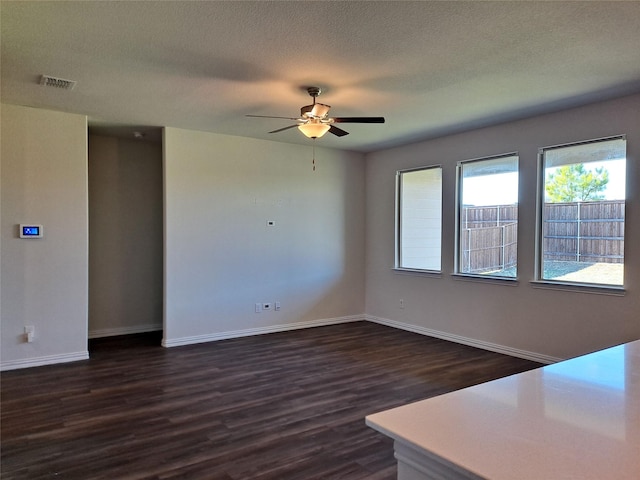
point(314, 120)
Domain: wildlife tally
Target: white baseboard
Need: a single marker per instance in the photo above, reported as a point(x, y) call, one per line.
point(113, 332)
point(493, 347)
point(176, 342)
point(47, 360)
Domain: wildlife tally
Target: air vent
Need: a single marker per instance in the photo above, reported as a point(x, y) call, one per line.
point(49, 81)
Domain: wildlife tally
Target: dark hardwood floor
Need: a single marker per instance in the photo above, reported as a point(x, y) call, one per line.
point(283, 406)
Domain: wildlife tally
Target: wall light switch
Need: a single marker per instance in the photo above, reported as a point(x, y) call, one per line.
point(29, 332)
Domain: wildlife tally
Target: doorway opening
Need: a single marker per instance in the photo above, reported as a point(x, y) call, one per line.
point(125, 237)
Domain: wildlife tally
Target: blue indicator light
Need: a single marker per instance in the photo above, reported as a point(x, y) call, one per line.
point(30, 231)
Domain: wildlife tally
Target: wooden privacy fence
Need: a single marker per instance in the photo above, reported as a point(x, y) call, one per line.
point(584, 231)
point(575, 232)
point(489, 238)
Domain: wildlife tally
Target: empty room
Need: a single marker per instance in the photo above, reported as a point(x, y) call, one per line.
point(320, 240)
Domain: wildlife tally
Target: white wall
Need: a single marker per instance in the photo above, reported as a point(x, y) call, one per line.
point(44, 281)
point(125, 236)
point(220, 255)
point(539, 323)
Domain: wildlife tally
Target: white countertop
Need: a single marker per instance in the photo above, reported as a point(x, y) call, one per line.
point(577, 419)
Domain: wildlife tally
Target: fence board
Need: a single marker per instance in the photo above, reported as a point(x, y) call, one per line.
point(584, 231)
point(577, 231)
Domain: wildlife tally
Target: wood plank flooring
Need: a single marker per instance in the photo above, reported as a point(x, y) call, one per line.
point(283, 406)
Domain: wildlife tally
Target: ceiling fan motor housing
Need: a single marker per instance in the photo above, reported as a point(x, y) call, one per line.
point(317, 110)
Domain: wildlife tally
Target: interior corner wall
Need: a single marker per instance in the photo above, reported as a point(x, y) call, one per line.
point(44, 281)
point(523, 319)
point(221, 255)
point(125, 236)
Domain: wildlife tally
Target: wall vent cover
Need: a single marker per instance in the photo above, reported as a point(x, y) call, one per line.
point(49, 81)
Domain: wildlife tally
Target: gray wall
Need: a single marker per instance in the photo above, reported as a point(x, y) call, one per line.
point(44, 281)
point(544, 324)
point(221, 257)
point(125, 236)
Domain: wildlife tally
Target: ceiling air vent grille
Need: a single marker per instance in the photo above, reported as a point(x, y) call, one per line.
point(49, 81)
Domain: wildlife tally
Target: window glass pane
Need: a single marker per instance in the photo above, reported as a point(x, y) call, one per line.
point(584, 213)
point(419, 219)
point(488, 215)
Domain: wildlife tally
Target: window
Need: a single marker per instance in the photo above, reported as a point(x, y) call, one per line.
point(487, 223)
point(419, 219)
point(581, 213)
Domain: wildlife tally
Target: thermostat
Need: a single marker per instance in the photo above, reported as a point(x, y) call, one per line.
point(30, 231)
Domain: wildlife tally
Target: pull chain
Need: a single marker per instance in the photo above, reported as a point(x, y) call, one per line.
point(313, 160)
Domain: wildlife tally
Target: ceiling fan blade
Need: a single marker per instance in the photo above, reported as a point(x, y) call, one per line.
point(268, 116)
point(285, 128)
point(337, 131)
point(359, 120)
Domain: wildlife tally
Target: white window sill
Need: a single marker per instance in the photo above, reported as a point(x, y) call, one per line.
point(580, 287)
point(466, 277)
point(417, 272)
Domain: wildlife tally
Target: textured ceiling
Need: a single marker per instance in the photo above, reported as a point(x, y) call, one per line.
point(431, 68)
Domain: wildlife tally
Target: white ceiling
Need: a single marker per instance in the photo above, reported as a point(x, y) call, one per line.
point(430, 68)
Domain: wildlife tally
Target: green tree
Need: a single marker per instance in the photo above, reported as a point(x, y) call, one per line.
point(574, 183)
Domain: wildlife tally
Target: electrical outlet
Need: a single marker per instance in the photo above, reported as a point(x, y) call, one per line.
point(29, 332)
point(401, 303)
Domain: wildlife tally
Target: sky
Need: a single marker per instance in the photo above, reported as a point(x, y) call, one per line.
point(502, 189)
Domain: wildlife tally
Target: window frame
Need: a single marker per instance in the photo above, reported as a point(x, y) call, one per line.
point(398, 223)
point(458, 251)
point(539, 281)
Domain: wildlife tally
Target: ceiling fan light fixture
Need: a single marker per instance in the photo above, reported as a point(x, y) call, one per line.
point(314, 130)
